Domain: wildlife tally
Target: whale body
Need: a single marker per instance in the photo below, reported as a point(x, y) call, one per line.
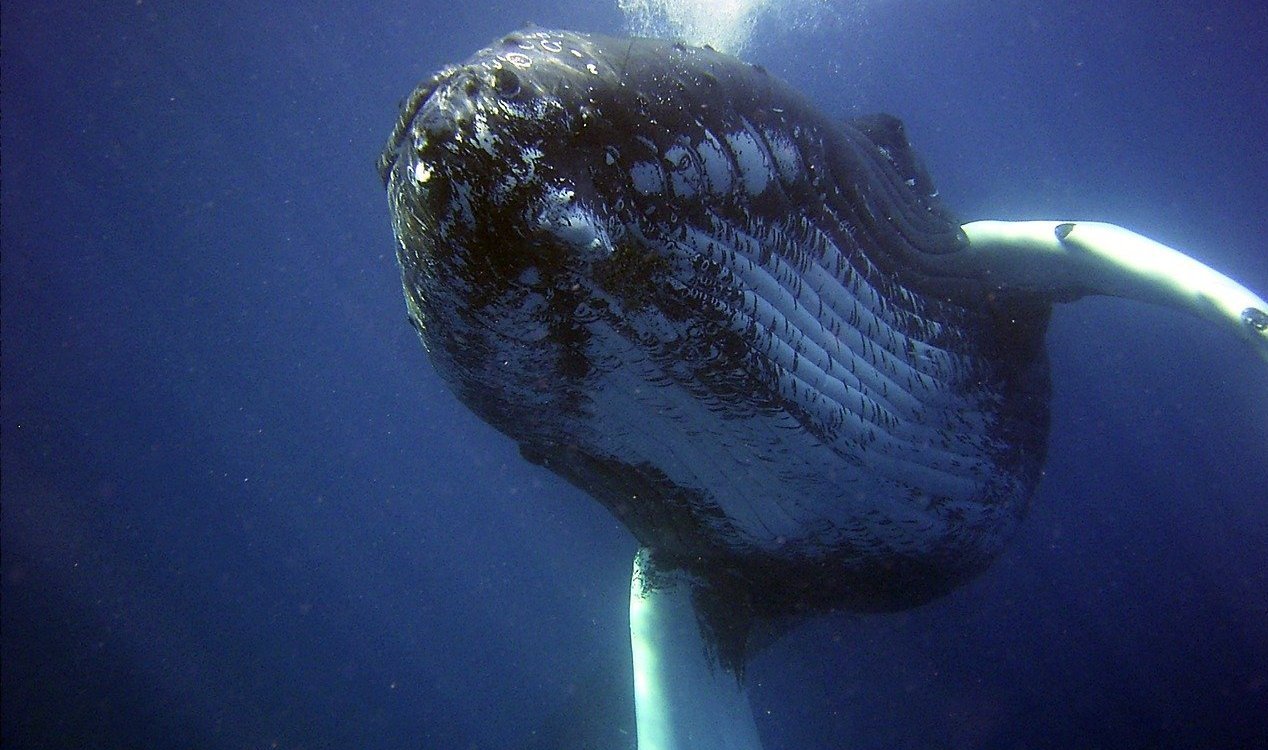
point(677, 284)
point(749, 329)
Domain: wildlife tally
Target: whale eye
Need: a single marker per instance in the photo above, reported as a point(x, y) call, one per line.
point(506, 83)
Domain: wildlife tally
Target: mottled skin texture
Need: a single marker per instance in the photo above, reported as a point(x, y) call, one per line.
point(678, 285)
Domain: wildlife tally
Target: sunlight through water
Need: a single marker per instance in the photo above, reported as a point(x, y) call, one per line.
point(726, 25)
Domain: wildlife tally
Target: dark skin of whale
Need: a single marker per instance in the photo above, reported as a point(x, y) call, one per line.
point(721, 312)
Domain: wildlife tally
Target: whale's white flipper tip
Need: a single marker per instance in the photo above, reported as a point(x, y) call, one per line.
point(1071, 259)
point(684, 697)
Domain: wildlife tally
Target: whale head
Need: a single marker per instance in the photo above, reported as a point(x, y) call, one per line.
point(678, 285)
point(523, 176)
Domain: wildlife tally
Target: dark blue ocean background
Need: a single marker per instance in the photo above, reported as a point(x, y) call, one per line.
point(241, 511)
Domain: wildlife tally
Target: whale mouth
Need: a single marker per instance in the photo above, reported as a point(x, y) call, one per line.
point(681, 288)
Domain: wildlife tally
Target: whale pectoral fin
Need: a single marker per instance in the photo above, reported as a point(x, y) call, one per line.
point(686, 697)
point(1065, 260)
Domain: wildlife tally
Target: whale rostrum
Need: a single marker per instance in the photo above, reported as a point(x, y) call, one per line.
point(750, 330)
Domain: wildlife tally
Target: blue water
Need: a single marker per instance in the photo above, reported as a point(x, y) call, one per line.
point(240, 510)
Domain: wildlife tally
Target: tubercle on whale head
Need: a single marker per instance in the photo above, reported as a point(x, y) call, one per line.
point(532, 64)
point(572, 93)
point(495, 114)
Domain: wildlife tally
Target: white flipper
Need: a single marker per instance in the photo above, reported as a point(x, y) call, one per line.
point(684, 698)
point(1067, 260)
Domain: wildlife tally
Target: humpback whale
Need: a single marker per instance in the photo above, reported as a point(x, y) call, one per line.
point(750, 330)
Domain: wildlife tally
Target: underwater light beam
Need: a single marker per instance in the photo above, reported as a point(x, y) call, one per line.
point(725, 25)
